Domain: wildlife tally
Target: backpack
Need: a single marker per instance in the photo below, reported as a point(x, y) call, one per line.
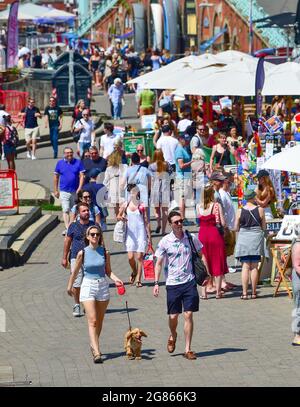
point(13, 138)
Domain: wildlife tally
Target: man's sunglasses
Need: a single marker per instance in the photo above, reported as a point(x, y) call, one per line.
point(179, 221)
point(139, 151)
point(94, 234)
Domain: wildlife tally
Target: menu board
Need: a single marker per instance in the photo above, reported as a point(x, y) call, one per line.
point(6, 193)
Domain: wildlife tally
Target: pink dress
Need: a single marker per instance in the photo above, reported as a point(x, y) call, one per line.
point(213, 245)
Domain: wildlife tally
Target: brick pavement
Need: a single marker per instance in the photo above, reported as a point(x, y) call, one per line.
point(239, 343)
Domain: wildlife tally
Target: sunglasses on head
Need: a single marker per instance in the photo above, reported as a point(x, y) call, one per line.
point(179, 221)
point(95, 234)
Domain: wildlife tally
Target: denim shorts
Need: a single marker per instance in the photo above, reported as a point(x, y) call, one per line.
point(185, 295)
point(94, 289)
point(9, 150)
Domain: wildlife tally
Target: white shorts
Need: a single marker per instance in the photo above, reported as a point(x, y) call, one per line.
point(183, 188)
point(96, 289)
point(67, 200)
point(32, 134)
point(78, 280)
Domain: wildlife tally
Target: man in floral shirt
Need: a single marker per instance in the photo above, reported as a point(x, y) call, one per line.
point(181, 285)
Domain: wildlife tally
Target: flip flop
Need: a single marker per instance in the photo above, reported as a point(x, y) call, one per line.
point(132, 278)
point(138, 284)
point(202, 297)
point(296, 343)
point(244, 297)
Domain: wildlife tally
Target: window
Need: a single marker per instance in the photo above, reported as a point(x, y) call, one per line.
point(191, 24)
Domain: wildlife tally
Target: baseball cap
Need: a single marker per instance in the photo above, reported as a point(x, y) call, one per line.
point(94, 172)
point(249, 194)
point(217, 176)
point(262, 173)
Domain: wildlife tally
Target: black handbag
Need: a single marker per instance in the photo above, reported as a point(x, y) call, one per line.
point(199, 268)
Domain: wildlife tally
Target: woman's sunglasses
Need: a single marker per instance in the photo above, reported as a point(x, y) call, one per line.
point(94, 234)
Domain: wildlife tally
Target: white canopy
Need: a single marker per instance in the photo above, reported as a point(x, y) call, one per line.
point(287, 160)
point(31, 12)
point(283, 79)
point(27, 12)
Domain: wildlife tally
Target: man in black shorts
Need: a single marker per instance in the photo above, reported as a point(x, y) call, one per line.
point(181, 285)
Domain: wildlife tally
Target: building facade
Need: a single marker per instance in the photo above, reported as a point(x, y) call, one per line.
point(181, 24)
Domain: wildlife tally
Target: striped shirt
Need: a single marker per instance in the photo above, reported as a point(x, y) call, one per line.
point(177, 254)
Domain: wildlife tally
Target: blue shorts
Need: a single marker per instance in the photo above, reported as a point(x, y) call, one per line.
point(182, 294)
point(9, 150)
point(250, 259)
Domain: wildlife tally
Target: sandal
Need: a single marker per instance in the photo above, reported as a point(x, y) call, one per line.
point(218, 297)
point(138, 284)
point(171, 344)
point(253, 296)
point(203, 297)
point(96, 356)
point(244, 297)
point(132, 277)
point(190, 355)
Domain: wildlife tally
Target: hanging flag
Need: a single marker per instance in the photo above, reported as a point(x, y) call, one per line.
point(13, 35)
point(259, 83)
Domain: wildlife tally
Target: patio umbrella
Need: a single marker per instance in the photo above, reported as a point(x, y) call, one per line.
point(234, 79)
point(287, 160)
point(283, 79)
point(172, 75)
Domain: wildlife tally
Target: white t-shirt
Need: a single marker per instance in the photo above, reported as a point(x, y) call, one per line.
point(228, 208)
point(183, 124)
point(168, 146)
point(86, 133)
point(2, 114)
point(107, 142)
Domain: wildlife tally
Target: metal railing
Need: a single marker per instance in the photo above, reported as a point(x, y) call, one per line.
point(100, 10)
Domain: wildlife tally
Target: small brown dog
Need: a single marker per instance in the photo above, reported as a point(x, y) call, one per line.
point(133, 343)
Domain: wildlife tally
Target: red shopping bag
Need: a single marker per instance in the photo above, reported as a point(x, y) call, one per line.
point(148, 264)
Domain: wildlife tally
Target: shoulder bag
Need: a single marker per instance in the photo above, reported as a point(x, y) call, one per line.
point(218, 220)
point(76, 134)
point(199, 268)
point(120, 230)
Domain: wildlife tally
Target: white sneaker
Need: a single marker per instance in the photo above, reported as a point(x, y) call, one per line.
point(232, 270)
point(28, 154)
point(77, 311)
point(3, 157)
point(33, 157)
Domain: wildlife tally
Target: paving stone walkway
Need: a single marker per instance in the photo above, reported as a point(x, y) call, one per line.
point(238, 343)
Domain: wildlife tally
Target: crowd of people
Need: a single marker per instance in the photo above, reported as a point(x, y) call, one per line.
point(176, 181)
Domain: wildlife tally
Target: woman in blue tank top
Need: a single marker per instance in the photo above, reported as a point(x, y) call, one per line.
point(94, 292)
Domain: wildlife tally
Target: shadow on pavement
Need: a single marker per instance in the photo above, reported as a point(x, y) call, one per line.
point(214, 352)
point(146, 355)
point(121, 310)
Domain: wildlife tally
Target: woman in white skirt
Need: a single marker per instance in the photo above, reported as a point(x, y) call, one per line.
point(138, 233)
point(94, 292)
point(114, 171)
